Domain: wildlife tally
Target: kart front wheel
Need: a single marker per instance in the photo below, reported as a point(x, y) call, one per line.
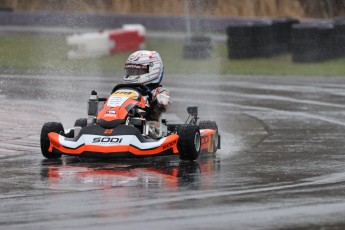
point(47, 128)
point(189, 142)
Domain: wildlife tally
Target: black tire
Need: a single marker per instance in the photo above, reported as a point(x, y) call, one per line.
point(189, 142)
point(81, 122)
point(211, 125)
point(48, 127)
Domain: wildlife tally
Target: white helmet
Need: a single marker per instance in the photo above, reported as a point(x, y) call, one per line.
point(145, 67)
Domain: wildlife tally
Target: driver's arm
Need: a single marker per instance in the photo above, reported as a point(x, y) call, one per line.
point(162, 96)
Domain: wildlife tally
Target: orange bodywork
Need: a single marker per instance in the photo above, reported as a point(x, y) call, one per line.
point(169, 143)
point(207, 139)
point(109, 113)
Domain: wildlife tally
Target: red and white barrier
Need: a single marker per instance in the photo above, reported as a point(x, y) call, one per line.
point(98, 44)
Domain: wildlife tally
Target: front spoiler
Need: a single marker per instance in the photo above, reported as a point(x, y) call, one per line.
point(116, 146)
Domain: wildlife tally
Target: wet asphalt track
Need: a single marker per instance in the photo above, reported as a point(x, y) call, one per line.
point(281, 165)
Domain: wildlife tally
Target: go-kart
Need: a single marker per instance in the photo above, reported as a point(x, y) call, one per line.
point(116, 127)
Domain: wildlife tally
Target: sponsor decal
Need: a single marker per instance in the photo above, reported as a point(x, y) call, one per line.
point(108, 131)
point(107, 140)
point(114, 101)
point(169, 145)
point(136, 66)
point(110, 113)
point(126, 93)
point(134, 57)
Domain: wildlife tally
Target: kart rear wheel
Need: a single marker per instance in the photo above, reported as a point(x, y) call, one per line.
point(189, 142)
point(49, 127)
point(81, 122)
point(211, 125)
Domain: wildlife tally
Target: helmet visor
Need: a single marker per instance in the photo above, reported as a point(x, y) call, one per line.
point(136, 69)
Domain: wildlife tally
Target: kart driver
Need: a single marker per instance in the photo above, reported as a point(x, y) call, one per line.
point(146, 67)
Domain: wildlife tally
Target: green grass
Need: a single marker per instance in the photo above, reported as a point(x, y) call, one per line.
point(36, 53)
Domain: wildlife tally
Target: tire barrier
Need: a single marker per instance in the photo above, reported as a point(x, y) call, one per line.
point(311, 41)
point(263, 38)
point(339, 37)
point(259, 38)
point(104, 43)
point(197, 47)
point(320, 41)
point(282, 34)
point(240, 40)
